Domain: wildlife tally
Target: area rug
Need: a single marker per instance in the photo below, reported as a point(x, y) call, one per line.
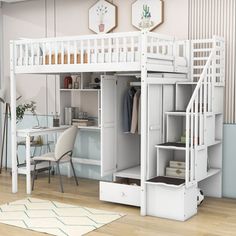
point(54, 218)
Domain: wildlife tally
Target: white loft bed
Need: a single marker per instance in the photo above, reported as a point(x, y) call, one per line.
point(141, 53)
point(110, 52)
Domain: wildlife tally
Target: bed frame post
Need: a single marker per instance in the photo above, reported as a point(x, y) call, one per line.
point(13, 119)
point(143, 121)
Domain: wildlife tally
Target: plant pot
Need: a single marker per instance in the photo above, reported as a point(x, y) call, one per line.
point(101, 27)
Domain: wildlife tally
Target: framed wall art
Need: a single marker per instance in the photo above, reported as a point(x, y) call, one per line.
point(147, 14)
point(102, 17)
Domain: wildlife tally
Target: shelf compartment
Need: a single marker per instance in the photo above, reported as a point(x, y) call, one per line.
point(133, 173)
point(211, 172)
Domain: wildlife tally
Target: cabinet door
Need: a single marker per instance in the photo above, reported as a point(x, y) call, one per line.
point(108, 125)
point(154, 135)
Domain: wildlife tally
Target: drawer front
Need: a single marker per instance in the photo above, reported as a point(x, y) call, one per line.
point(120, 193)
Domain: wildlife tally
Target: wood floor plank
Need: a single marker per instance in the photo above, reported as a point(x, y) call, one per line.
point(217, 217)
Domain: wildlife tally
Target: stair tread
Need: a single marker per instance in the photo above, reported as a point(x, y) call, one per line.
point(183, 113)
point(167, 180)
point(172, 144)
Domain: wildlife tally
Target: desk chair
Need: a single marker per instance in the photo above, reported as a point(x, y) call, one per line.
point(62, 154)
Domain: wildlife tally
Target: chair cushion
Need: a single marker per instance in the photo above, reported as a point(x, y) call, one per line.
point(50, 156)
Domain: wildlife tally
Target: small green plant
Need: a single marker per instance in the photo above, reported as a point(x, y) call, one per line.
point(146, 12)
point(22, 108)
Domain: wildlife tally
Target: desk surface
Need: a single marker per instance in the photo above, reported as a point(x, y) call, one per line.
point(42, 131)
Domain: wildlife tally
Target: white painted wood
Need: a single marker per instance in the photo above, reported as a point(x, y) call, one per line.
point(28, 175)
point(131, 173)
point(13, 119)
point(144, 122)
point(120, 193)
point(153, 52)
point(108, 125)
point(125, 52)
point(171, 202)
point(154, 120)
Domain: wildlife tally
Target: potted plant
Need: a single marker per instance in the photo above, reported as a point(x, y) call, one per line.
point(22, 108)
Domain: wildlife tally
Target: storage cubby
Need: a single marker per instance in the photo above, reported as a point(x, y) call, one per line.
point(184, 92)
point(175, 127)
point(83, 101)
point(165, 154)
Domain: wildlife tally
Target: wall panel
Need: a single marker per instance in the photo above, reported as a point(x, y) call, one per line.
point(217, 17)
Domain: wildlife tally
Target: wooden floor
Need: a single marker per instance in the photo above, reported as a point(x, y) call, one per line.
point(215, 217)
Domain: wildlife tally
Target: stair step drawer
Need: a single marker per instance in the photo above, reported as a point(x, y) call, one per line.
point(119, 192)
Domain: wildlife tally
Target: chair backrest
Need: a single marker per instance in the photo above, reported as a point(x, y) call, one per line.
point(65, 142)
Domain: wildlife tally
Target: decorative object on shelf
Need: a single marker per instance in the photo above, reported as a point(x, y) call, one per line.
point(83, 122)
point(95, 83)
point(102, 17)
point(147, 14)
point(69, 115)
point(76, 114)
point(176, 169)
point(83, 115)
point(68, 82)
point(183, 138)
point(76, 82)
point(56, 120)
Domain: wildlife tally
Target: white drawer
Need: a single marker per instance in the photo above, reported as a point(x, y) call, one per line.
point(120, 193)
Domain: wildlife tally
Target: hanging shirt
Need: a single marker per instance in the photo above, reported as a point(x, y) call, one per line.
point(139, 115)
point(135, 112)
point(127, 109)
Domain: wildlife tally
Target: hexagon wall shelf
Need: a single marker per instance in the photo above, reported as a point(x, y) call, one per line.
point(147, 14)
point(102, 17)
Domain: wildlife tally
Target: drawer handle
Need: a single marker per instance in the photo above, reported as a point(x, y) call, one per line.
point(123, 194)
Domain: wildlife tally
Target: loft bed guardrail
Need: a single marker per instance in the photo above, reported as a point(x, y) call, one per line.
point(121, 51)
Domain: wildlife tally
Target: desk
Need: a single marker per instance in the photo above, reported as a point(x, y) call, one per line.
point(27, 133)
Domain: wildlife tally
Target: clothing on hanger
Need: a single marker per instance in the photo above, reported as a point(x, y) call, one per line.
point(135, 112)
point(139, 115)
point(127, 109)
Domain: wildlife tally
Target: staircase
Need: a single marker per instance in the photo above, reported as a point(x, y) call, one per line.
point(198, 116)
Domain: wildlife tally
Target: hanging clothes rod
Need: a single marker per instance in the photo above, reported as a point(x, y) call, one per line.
point(135, 84)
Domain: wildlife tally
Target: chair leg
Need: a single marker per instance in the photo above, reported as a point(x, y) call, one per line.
point(58, 169)
point(35, 163)
point(73, 169)
point(49, 170)
point(49, 148)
